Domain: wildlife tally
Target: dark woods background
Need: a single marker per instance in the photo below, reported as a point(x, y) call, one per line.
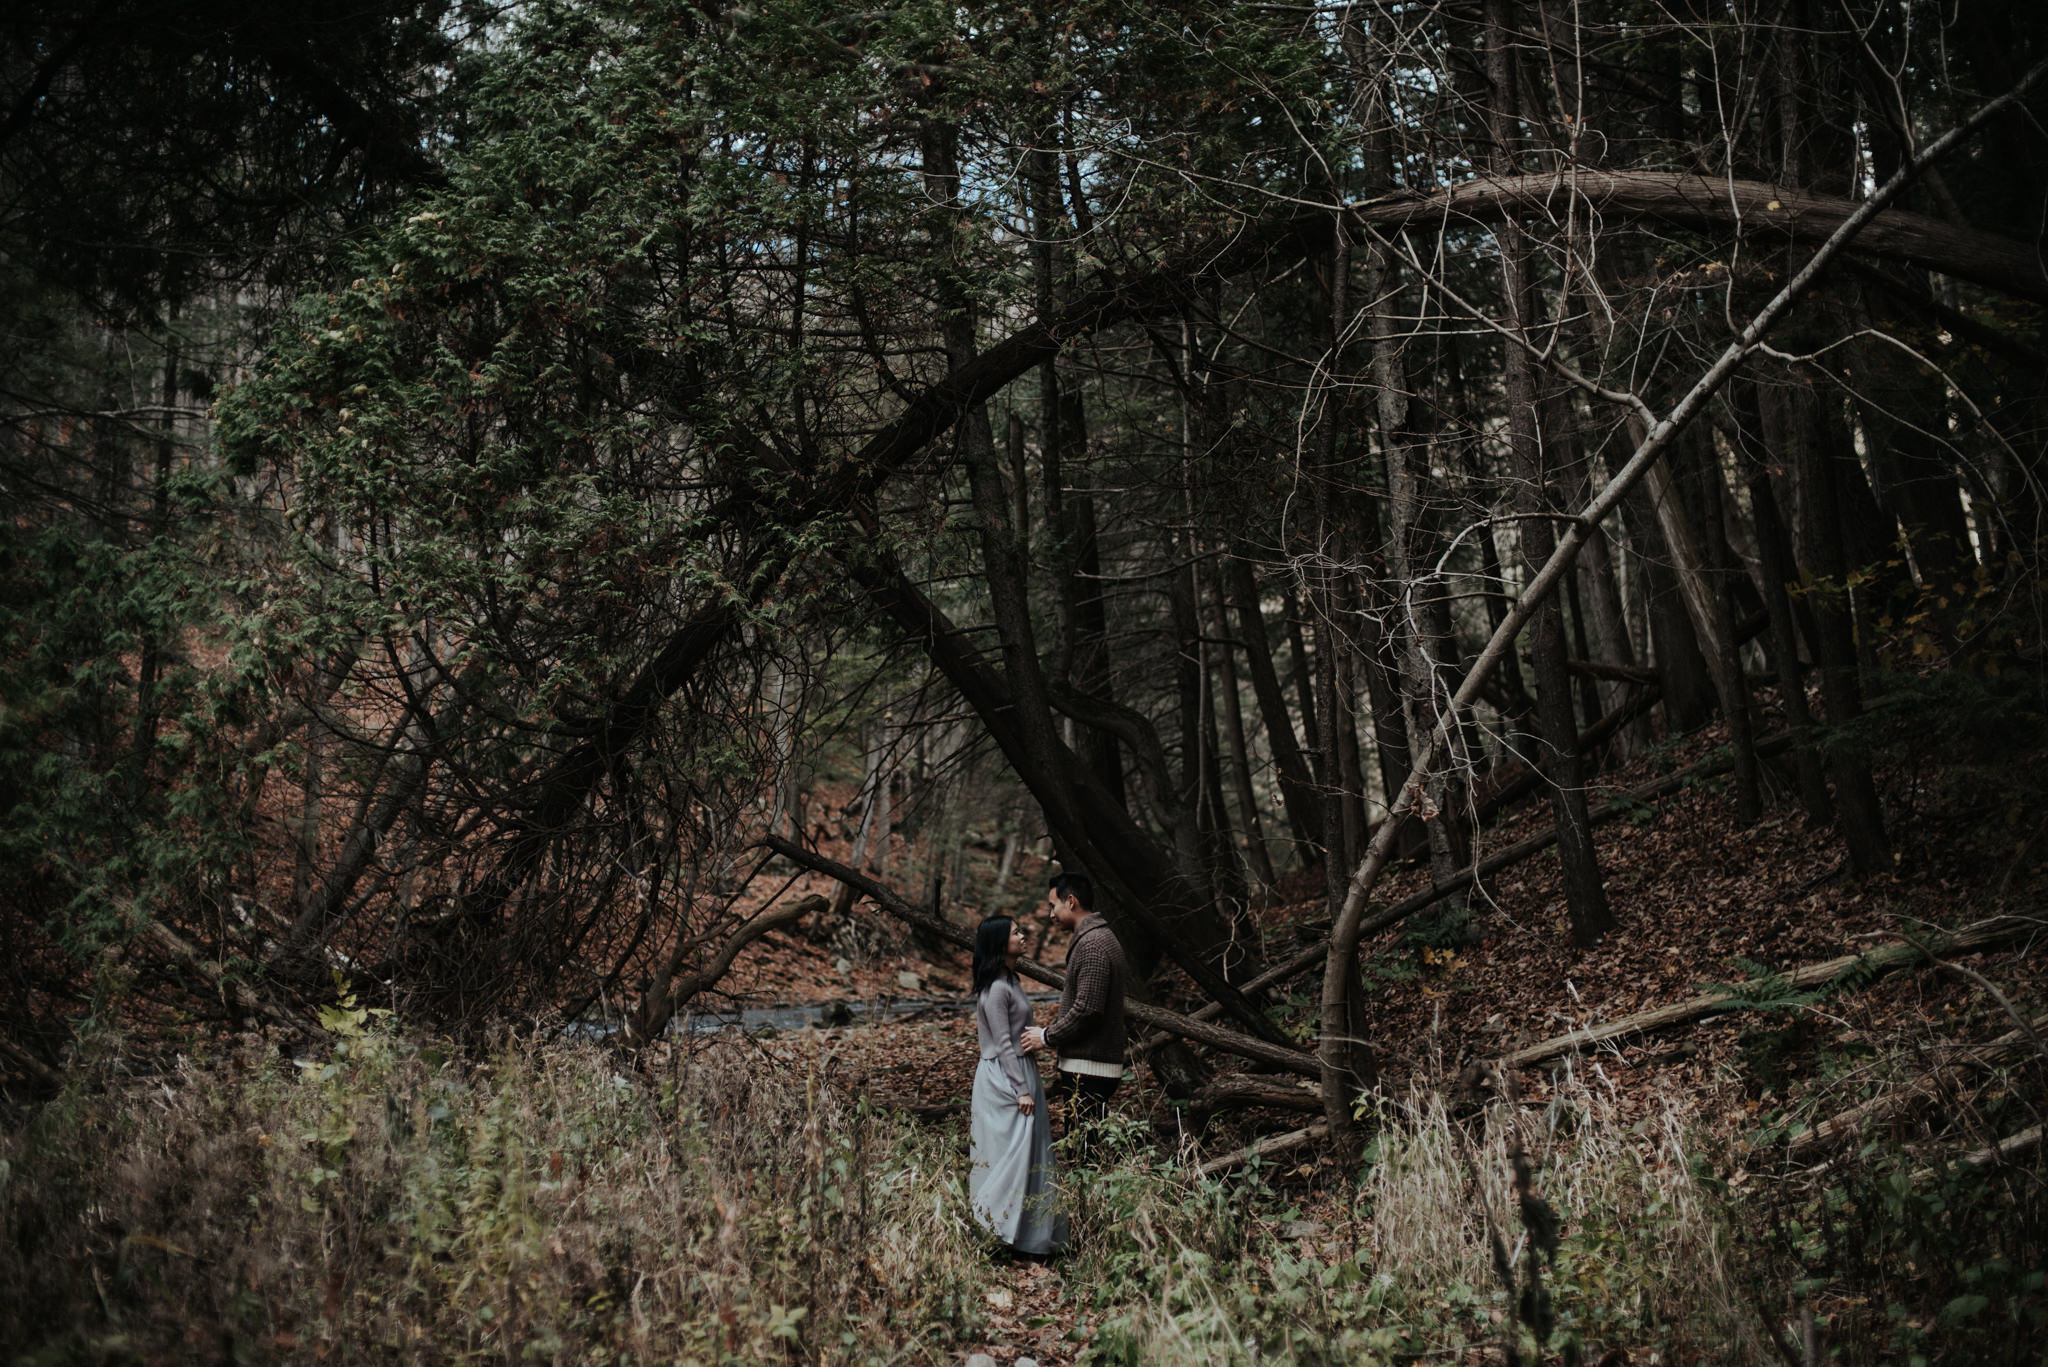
point(471, 472)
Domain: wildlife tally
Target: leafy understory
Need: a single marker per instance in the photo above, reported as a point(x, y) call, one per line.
point(392, 1200)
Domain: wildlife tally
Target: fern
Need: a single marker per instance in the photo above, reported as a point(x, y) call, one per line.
point(1765, 989)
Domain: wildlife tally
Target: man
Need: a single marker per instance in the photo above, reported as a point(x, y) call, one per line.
point(1088, 1031)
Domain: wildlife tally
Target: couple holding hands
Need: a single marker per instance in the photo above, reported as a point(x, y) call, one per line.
point(1011, 1184)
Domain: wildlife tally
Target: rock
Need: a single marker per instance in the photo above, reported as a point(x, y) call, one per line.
point(980, 1360)
point(1025, 1362)
point(833, 1015)
point(1001, 1298)
point(843, 967)
point(909, 981)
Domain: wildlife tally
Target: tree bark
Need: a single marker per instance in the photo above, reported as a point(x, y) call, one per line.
point(1708, 610)
point(1240, 755)
point(1557, 729)
point(1423, 641)
point(1301, 671)
point(1674, 652)
point(1297, 784)
point(1774, 559)
point(1859, 814)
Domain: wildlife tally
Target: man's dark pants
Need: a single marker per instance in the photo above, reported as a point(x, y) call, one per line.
point(1085, 1099)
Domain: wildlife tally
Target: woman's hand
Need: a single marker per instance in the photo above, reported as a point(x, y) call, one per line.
point(1025, 1103)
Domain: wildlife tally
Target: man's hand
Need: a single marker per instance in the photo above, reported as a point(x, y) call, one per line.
point(1034, 1038)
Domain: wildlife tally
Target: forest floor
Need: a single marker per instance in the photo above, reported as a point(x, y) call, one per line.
point(1665, 1155)
point(1697, 901)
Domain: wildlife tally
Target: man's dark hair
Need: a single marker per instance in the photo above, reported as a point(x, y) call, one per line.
point(1076, 886)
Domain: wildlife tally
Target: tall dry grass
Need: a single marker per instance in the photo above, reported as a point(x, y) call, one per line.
point(393, 1203)
point(1406, 1268)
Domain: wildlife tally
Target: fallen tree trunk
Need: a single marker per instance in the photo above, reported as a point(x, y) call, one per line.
point(38, 1072)
point(1235, 1091)
point(1265, 1148)
point(2008, 1147)
point(188, 956)
point(1600, 669)
point(1766, 213)
point(1201, 1032)
point(1848, 1124)
point(1884, 959)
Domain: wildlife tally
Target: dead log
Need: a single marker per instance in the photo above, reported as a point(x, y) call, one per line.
point(2009, 1147)
point(1600, 669)
point(1158, 1018)
point(1763, 212)
point(1265, 1148)
point(1848, 1124)
point(1884, 959)
point(187, 956)
point(37, 1071)
point(1237, 1091)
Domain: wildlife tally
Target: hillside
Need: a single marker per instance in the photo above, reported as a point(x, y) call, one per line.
point(1701, 903)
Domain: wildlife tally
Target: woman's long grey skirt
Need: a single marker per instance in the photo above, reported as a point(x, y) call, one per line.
point(1011, 1184)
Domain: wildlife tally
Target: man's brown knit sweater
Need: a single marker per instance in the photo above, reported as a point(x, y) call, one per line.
point(1090, 1023)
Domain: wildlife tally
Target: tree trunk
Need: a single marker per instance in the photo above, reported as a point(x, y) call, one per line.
point(1585, 895)
point(1094, 670)
point(1423, 641)
point(1297, 785)
point(1681, 669)
point(1093, 831)
point(1380, 655)
point(1301, 670)
point(1775, 561)
point(1240, 755)
point(1860, 815)
point(1708, 610)
point(1611, 637)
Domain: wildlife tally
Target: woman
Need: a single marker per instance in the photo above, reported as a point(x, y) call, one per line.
point(1011, 1183)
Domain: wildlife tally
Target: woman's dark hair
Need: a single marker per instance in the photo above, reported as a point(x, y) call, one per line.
point(991, 948)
